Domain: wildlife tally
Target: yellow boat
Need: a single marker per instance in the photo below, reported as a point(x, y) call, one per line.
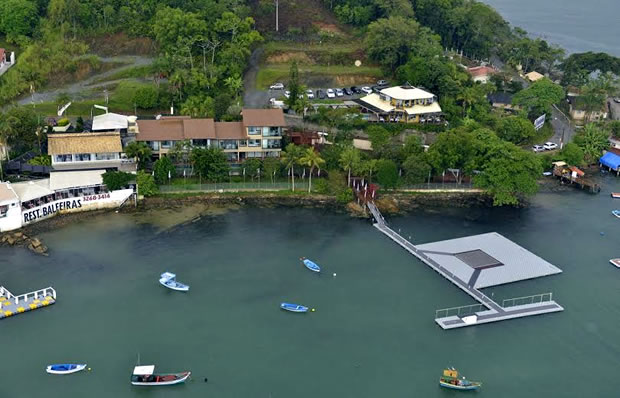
point(450, 379)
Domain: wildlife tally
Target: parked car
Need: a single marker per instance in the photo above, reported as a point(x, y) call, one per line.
point(347, 91)
point(320, 94)
point(538, 148)
point(356, 90)
point(382, 83)
point(276, 86)
point(376, 89)
point(331, 93)
point(617, 100)
point(287, 94)
point(367, 90)
point(339, 92)
point(309, 94)
point(549, 146)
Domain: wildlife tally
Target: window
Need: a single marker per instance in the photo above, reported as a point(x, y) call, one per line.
point(153, 144)
point(201, 143)
point(82, 157)
point(243, 142)
point(271, 131)
point(228, 144)
point(4, 210)
point(270, 144)
point(106, 156)
point(254, 143)
point(254, 130)
point(166, 144)
point(63, 158)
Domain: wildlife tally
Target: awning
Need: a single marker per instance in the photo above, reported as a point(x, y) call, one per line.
point(610, 160)
point(32, 189)
point(109, 121)
point(60, 180)
point(146, 370)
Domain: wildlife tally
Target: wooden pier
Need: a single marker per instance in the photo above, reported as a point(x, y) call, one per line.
point(13, 305)
point(494, 312)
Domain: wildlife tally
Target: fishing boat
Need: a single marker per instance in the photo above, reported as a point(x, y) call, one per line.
point(311, 265)
point(146, 376)
point(616, 213)
point(450, 379)
point(615, 261)
point(169, 280)
point(615, 195)
point(65, 368)
point(293, 307)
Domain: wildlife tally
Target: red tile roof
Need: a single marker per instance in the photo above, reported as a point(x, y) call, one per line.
point(230, 131)
point(263, 118)
point(481, 71)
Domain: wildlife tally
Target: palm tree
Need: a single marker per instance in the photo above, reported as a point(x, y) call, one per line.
point(234, 84)
point(593, 140)
point(290, 157)
point(369, 166)
point(138, 150)
point(313, 160)
point(349, 160)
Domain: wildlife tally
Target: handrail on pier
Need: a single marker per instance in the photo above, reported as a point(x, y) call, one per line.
point(48, 291)
point(528, 300)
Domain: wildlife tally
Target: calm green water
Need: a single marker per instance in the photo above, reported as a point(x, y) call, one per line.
point(372, 335)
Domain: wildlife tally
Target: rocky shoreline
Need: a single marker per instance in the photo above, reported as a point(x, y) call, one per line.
point(390, 204)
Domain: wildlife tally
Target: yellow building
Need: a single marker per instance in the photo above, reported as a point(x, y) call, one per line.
point(405, 104)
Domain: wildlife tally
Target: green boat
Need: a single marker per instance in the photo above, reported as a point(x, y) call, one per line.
point(450, 379)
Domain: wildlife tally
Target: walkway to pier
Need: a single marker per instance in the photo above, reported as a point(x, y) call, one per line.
point(494, 312)
point(12, 305)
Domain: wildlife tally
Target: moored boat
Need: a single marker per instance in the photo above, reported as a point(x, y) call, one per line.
point(311, 265)
point(615, 261)
point(293, 307)
point(146, 376)
point(65, 368)
point(615, 195)
point(450, 379)
point(169, 280)
point(616, 213)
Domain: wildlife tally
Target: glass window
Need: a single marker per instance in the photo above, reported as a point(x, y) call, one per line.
point(254, 143)
point(106, 156)
point(4, 210)
point(166, 144)
point(63, 158)
point(269, 144)
point(254, 130)
point(82, 157)
point(243, 142)
point(228, 144)
point(154, 145)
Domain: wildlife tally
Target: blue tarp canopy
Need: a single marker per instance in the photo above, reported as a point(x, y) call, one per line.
point(610, 160)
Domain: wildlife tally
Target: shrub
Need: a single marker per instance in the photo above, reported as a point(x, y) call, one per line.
point(63, 122)
point(146, 97)
point(146, 184)
point(116, 179)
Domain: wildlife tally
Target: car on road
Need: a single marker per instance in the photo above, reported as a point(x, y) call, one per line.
point(367, 90)
point(331, 93)
point(276, 86)
point(339, 92)
point(347, 91)
point(617, 100)
point(538, 148)
point(549, 146)
point(355, 90)
point(320, 94)
point(382, 83)
point(287, 94)
point(309, 94)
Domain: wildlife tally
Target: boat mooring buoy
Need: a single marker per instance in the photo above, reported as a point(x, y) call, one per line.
point(602, 233)
point(334, 274)
point(206, 379)
point(313, 310)
point(89, 369)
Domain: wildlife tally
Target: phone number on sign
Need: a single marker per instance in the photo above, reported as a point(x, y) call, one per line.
point(90, 198)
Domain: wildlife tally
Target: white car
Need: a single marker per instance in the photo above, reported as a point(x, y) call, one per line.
point(367, 90)
point(339, 92)
point(549, 146)
point(287, 94)
point(538, 148)
point(330, 93)
point(309, 94)
point(276, 86)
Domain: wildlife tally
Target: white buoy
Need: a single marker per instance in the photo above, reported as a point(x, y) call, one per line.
point(334, 274)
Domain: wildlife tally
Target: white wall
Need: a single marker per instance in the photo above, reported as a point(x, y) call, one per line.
point(13, 219)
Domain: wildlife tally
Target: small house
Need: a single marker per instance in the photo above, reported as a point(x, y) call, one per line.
point(481, 74)
point(577, 109)
point(534, 76)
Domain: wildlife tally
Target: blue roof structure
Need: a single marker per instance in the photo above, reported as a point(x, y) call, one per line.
point(610, 160)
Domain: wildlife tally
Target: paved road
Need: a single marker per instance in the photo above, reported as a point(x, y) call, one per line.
point(563, 129)
point(614, 108)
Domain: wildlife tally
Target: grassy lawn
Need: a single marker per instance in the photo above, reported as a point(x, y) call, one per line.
point(277, 46)
point(268, 74)
point(135, 72)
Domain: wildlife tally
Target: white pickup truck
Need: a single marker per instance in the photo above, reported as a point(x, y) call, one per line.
point(276, 104)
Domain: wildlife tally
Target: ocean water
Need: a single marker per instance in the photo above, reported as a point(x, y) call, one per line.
point(575, 25)
point(373, 332)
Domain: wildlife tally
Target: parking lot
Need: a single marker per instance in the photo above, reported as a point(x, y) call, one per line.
point(328, 93)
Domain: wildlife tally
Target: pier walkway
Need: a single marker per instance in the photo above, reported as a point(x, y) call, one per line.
point(494, 311)
point(12, 305)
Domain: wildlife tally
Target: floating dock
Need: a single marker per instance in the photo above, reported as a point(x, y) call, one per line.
point(475, 262)
point(12, 305)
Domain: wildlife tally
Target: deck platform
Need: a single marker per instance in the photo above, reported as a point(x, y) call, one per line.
point(468, 265)
point(11, 305)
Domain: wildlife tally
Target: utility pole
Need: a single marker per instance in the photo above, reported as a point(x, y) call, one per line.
point(277, 4)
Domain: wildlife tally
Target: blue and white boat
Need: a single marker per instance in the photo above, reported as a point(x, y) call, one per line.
point(293, 307)
point(65, 368)
point(311, 265)
point(616, 213)
point(169, 280)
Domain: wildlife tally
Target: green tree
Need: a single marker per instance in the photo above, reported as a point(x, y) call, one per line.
point(252, 167)
point(146, 97)
point(290, 157)
point(387, 173)
point(417, 169)
point(210, 163)
point(116, 180)
point(452, 150)
point(271, 167)
point(572, 154)
point(162, 168)
point(146, 184)
point(222, 103)
point(293, 86)
point(313, 160)
point(17, 18)
point(367, 168)
point(198, 107)
point(379, 138)
point(139, 151)
point(516, 129)
point(592, 140)
point(349, 160)
point(537, 99)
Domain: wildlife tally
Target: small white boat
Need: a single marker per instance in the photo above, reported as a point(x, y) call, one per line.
point(293, 307)
point(311, 265)
point(169, 280)
point(65, 368)
point(615, 195)
point(145, 376)
point(616, 213)
point(615, 261)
